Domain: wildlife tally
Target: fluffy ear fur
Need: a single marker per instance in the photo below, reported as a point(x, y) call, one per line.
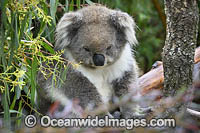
point(126, 24)
point(66, 28)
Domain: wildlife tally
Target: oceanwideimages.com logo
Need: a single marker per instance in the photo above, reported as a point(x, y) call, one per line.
point(96, 122)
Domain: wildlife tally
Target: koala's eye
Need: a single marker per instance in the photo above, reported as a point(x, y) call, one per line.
point(86, 49)
point(109, 47)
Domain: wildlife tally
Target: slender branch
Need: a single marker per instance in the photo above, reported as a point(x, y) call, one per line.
point(160, 12)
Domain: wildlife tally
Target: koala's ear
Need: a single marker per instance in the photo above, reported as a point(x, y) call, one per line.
point(65, 29)
point(126, 24)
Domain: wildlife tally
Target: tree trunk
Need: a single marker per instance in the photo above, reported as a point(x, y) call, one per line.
point(180, 44)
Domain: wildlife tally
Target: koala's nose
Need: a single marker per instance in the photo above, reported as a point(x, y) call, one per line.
point(98, 59)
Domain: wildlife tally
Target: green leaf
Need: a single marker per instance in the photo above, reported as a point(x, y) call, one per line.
point(47, 47)
point(13, 103)
point(33, 79)
point(20, 113)
point(62, 75)
point(13, 111)
point(7, 119)
point(89, 2)
point(78, 3)
point(42, 28)
point(71, 6)
point(23, 25)
point(53, 9)
point(66, 6)
point(30, 23)
point(3, 11)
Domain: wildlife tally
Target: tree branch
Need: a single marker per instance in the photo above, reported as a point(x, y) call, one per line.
point(160, 12)
point(154, 79)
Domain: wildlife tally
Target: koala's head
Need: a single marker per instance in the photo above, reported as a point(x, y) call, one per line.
point(95, 35)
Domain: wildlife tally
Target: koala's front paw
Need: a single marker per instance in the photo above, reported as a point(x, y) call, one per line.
point(116, 113)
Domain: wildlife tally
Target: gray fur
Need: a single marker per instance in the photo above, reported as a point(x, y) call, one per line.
point(88, 31)
point(74, 79)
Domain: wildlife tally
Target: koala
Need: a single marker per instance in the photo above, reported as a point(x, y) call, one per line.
point(100, 40)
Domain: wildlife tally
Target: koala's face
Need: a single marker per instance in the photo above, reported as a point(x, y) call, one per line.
point(95, 36)
point(97, 45)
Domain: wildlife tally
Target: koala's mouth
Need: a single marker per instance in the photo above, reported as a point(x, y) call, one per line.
point(93, 66)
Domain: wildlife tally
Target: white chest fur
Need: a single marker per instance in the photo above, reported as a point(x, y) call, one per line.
point(103, 77)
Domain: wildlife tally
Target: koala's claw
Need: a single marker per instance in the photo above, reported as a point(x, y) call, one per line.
point(117, 114)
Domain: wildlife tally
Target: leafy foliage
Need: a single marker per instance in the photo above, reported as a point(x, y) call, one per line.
point(24, 27)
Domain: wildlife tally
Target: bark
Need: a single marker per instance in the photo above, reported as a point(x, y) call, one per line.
point(181, 39)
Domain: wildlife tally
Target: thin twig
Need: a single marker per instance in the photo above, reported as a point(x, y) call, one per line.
point(193, 112)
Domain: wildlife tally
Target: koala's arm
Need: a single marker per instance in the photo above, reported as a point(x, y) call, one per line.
point(78, 86)
point(75, 86)
point(122, 86)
